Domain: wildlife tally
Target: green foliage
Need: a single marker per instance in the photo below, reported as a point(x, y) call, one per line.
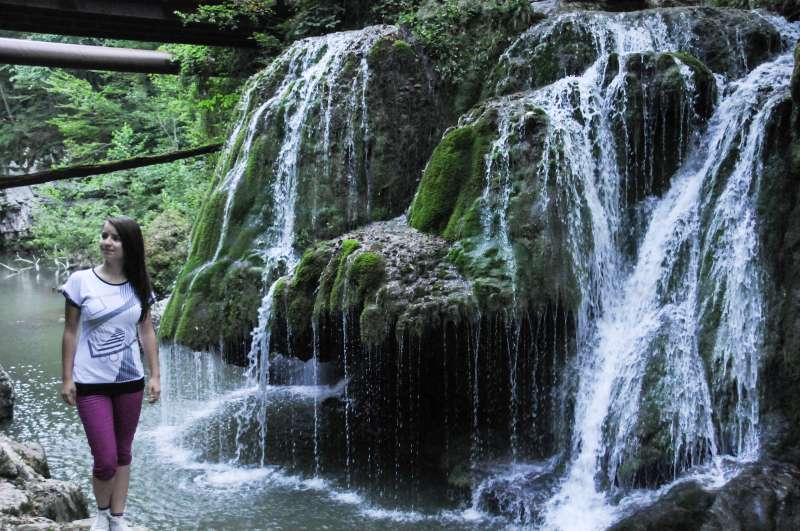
point(229, 14)
point(464, 38)
point(26, 138)
point(166, 240)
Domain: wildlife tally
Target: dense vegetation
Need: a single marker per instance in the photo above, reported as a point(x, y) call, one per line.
point(54, 117)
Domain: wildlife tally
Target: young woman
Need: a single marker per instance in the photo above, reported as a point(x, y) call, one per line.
point(106, 326)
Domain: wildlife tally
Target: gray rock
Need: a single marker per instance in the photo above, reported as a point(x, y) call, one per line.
point(25, 462)
point(765, 496)
point(57, 500)
point(7, 396)
point(29, 499)
point(12, 499)
point(16, 206)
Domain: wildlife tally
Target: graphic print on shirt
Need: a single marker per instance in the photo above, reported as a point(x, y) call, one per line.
point(127, 370)
point(106, 339)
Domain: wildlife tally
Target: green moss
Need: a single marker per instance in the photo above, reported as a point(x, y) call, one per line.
point(309, 268)
point(169, 320)
point(210, 313)
point(300, 293)
point(207, 232)
point(346, 249)
point(691, 61)
point(451, 181)
point(380, 51)
point(404, 50)
point(367, 272)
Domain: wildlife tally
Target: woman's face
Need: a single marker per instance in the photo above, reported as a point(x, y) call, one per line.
point(110, 243)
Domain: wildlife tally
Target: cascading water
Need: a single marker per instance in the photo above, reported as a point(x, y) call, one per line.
point(641, 310)
point(653, 319)
point(690, 258)
point(310, 83)
point(321, 64)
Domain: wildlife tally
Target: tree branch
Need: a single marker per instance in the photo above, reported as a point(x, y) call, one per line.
point(84, 170)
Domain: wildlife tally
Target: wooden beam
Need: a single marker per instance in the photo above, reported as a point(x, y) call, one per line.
point(38, 53)
point(137, 20)
point(84, 170)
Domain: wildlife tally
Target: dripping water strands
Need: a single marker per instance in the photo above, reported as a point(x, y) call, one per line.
point(313, 67)
point(315, 360)
point(346, 333)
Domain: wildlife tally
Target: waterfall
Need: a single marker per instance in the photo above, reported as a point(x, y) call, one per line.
point(654, 317)
point(314, 68)
point(663, 238)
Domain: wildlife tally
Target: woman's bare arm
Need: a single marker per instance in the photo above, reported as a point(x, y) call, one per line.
point(69, 341)
point(147, 335)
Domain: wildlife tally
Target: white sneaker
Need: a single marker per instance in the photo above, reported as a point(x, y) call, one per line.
point(118, 523)
point(102, 521)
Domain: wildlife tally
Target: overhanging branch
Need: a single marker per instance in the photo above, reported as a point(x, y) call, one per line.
point(84, 170)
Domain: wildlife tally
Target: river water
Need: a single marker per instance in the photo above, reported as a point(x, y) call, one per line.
point(172, 487)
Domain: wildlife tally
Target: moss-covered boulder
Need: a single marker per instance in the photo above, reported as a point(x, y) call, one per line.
point(483, 191)
point(387, 277)
point(786, 8)
point(388, 314)
point(333, 134)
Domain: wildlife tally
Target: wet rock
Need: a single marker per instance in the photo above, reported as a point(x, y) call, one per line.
point(786, 8)
point(683, 508)
point(396, 277)
point(779, 235)
point(665, 98)
point(765, 496)
point(7, 397)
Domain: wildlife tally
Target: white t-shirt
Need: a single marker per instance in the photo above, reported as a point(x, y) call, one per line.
point(108, 343)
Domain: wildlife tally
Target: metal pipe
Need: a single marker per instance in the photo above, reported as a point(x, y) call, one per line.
point(80, 56)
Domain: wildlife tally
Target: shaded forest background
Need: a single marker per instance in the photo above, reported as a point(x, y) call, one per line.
point(52, 117)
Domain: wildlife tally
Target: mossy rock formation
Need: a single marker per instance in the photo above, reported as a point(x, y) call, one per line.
point(528, 265)
point(401, 326)
point(387, 277)
point(333, 134)
point(567, 44)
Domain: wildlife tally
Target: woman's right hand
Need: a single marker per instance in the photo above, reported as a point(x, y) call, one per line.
point(68, 392)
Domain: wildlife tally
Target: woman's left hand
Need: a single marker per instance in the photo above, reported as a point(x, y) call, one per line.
point(153, 389)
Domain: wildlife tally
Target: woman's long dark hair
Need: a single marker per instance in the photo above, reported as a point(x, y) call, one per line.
point(130, 234)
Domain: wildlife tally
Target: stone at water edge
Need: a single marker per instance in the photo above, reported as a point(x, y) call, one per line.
point(27, 494)
point(7, 396)
point(764, 496)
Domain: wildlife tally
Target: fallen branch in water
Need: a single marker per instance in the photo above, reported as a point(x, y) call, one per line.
point(34, 263)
